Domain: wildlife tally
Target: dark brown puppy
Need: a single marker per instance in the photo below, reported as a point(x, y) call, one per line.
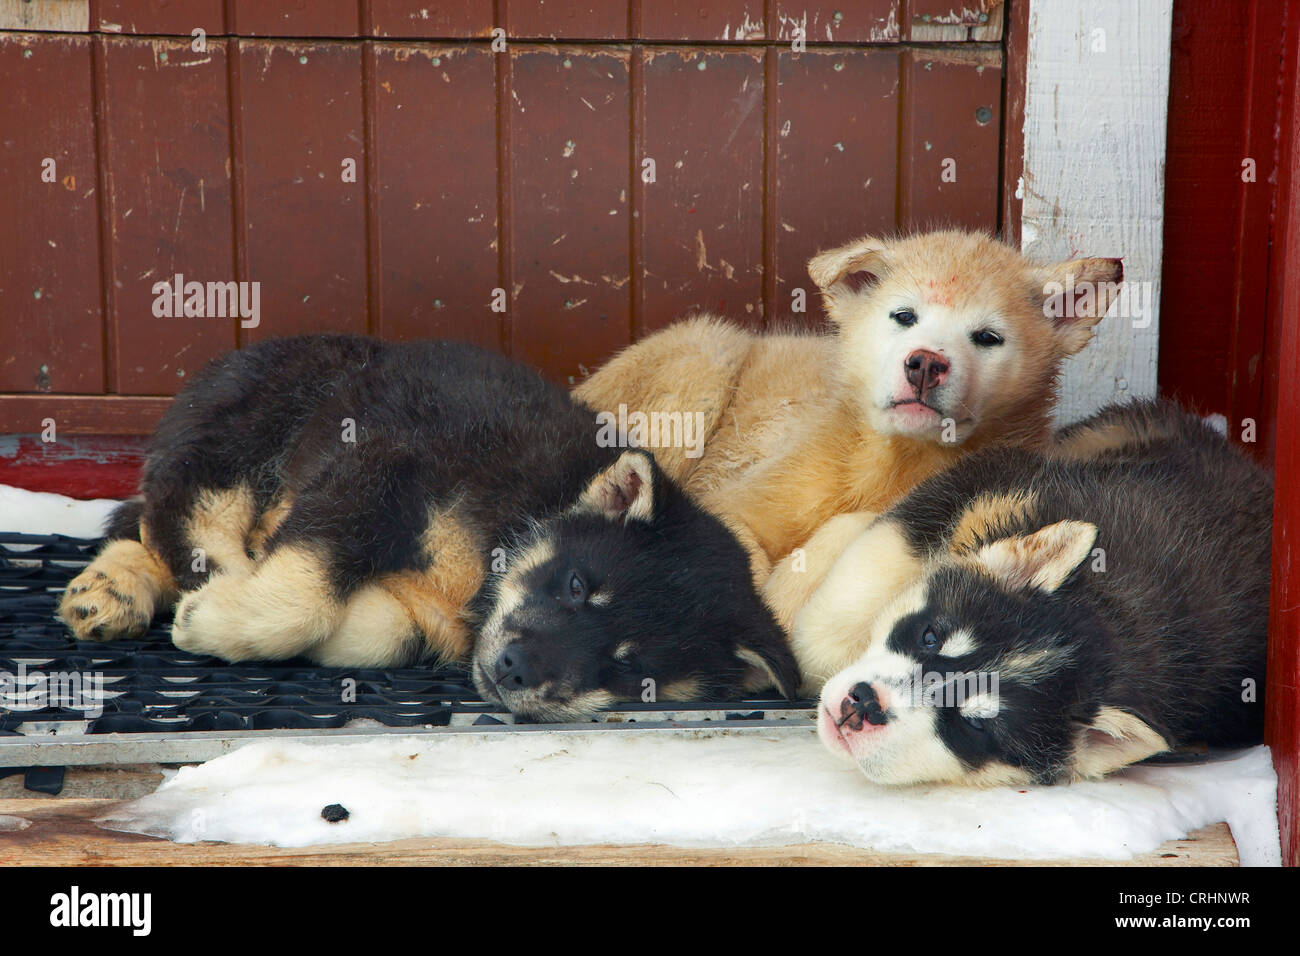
point(366, 504)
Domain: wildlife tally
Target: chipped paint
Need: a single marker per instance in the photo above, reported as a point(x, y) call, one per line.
point(559, 277)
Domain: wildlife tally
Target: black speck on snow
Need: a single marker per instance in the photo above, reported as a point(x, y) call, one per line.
point(335, 813)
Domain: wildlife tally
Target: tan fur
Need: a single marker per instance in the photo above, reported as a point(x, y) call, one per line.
point(986, 514)
point(284, 606)
point(267, 524)
point(118, 593)
point(436, 597)
point(220, 523)
point(1043, 559)
point(281, 608)
point(759, 673)
point(1114, 739)
point(374, 630)
point(793, 437)
point(1095, 441)
point(801, 572)
point(224, 528)
point(834, 627)
point(680, 690)
point(995, 773)
point(625, 488)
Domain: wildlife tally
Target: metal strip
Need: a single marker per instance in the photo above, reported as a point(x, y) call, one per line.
point(197, 747)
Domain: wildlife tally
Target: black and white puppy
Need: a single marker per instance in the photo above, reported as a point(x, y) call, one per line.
point(1068, 614)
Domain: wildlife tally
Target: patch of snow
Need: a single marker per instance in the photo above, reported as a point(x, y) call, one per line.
point(37, 512)
point(541, 789)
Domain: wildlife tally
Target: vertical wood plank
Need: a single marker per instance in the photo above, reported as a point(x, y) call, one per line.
point(319, 18)
point(1013, 122)
point(421, 18)
point(51, 289)
point(836, 166)
point(1095, 120)
point(693, 20)
point(569, 234)
point(168, 176)
point(164, 17)
point(435, 169)
point(1282, 695)
point(950, 141)
point(837, 21)
point(567, 19)
point(304, 231)
point(1214, 276)
point(702, 219)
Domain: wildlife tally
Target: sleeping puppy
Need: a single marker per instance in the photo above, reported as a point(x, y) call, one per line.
point(365, 504)
point(1064, 614)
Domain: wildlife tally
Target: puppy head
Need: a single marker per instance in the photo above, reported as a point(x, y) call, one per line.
point(986, 673)
point(948, 333)
point(634, 594)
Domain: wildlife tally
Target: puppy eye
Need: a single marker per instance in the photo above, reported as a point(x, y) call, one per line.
point(577, 588)
point(987, 338)
point(904, 317)
point(929, 639)
point(975, 723)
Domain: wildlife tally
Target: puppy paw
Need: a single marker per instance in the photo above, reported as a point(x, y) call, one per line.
point(208, 621)
point(106, 604)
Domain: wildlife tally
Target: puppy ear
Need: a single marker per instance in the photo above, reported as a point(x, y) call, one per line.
point(1043, 559)
point(625, 490)
point(849, 269)
point(1114, 738)
point(769, 662)
point(1076, 294)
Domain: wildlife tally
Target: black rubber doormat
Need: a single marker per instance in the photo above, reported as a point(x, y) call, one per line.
point(56, 691)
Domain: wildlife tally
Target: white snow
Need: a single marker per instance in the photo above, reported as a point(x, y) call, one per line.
point(35, 512)
point(539, 789)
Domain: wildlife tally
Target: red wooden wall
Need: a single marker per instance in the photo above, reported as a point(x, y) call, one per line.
point(1230, 309)
point(1221, 214)
point(476, 170)
point(1282, 382)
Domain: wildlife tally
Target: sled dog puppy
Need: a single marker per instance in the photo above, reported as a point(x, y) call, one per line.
point(1070, 612)
point(944, 343)
point(373, 505)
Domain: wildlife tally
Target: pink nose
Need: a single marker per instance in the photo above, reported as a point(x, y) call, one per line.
point(925, 370)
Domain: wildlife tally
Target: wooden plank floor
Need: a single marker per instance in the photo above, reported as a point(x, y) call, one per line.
point(61, 832)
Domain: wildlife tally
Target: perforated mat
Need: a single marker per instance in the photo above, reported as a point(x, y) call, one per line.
point(59, 694)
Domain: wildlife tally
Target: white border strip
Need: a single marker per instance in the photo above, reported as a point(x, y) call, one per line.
point(1096, 106)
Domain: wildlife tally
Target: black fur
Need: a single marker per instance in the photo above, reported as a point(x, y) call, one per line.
point(1171, 631)
point(437, 423)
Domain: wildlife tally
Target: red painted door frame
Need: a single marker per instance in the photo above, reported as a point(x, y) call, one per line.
point(1230, 289)
point(1282, 361)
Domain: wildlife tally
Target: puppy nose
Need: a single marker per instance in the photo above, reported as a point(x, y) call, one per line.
point(925, 370)
point(512, 670)
point(861, 703)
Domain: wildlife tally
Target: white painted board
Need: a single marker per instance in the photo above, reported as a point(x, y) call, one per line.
point(1096, 99)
